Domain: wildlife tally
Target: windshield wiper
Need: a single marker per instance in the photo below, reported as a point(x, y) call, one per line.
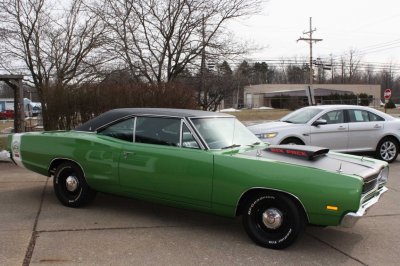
point(287, 121)
point(231, 146)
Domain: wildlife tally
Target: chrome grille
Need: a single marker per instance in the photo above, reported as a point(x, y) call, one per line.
point(370, 183)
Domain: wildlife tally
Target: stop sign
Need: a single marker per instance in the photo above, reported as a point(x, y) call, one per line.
point(387, 94)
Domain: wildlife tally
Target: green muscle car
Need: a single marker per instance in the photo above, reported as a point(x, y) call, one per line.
point(208, 162)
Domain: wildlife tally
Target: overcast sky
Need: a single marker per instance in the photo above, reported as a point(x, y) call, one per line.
point(370, 27)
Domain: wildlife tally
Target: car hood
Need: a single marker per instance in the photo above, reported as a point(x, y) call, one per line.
point(323, 160)
point(272, 126)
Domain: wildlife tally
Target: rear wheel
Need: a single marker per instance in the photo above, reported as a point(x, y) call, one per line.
point(70, 186)
point(387, 149)
point(273, 220)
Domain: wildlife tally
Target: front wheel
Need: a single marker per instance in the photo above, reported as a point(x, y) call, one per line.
point(292, 141)
point(70, 186)
point(273, 220)
point(387, 149)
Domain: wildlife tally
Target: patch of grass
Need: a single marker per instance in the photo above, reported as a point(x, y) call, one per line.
point(394, 111)
point(3, 137)
point(5, 124)
point(255, 115)
point(3, 142)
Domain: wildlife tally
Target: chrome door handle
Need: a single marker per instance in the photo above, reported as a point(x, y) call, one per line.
point(377, 126)
point(341, 127)
point(127, 153)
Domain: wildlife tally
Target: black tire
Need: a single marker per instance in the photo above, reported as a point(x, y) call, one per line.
point(292, 141)
point(387, 149)
point(78, 193)
point(273, 233)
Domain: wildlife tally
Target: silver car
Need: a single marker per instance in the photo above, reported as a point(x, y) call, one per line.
point(342, 128)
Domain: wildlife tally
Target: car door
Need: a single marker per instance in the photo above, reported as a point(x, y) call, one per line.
point(334, 134)
point(365, 130)
point(157, 165)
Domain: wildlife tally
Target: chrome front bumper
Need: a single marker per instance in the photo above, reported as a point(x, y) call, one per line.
point(351, 218)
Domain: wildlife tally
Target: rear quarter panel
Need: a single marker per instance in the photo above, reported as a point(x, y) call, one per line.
point(97, 156)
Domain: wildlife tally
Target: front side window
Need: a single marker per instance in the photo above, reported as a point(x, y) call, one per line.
point(188, 140)
point(122, 130)
point(334, 117)
point(158, 130)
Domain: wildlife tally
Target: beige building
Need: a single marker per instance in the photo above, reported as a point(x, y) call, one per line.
point(260, 95)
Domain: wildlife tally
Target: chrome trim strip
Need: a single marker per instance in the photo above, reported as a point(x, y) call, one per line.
point(113, 122)
point(66, 159)
point(82, 131)
point(134, 129)
point(194, 134)
point(134, 115)
point(197, 134)
point(181, 133)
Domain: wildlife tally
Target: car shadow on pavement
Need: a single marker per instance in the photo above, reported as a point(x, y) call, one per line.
point(109, 212)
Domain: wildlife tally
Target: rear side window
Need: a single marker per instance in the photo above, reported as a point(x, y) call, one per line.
point(122, 130)
point(374, 117)
point(363, 116)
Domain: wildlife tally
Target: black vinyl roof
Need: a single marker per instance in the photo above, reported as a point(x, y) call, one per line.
point(117, 114)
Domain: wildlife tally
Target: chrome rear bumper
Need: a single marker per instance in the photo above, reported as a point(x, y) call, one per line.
point(351, 218)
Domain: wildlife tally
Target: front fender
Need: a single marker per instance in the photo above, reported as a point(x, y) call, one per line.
point(316, 189)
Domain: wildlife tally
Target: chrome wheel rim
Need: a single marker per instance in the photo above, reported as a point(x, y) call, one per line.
point(71, 183)
point(272, 218)
point(388, 150)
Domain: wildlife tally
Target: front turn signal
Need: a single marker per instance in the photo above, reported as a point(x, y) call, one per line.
point(332, 208)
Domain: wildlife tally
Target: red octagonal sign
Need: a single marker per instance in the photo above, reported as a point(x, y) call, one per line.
point(387, 94)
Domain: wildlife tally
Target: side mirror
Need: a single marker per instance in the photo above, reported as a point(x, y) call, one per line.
point(319, 122)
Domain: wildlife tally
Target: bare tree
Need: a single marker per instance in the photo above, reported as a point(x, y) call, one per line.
point(369, 74)
point(158, 39)
point(354, 62)
point(56, 48)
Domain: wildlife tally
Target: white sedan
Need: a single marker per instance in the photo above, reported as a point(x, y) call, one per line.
point(342, 128)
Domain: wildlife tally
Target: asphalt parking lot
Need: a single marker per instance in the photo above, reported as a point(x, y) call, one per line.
point(36, 229)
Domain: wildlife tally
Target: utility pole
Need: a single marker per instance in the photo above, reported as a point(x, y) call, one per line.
point(203, 101)
point(333, 70)
point(310, 40)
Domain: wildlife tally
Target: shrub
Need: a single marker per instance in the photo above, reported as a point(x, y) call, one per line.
point(69, 106)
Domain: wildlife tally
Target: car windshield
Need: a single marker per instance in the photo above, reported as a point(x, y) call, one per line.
point(301, 116)
point(224, 132)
